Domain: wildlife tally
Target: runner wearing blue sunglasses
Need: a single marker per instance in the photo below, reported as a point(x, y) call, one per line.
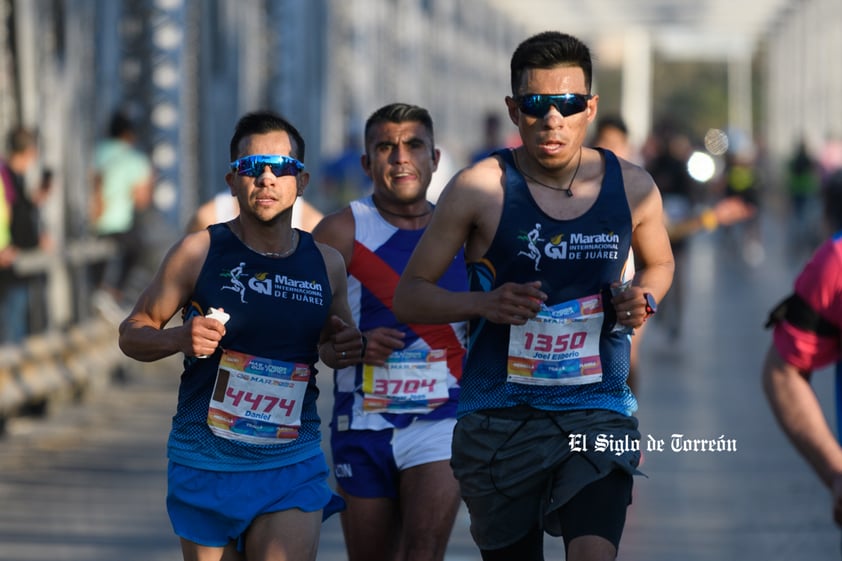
point(261, 303)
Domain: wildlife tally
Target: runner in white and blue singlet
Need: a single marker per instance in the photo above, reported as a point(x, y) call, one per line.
point(393, 415)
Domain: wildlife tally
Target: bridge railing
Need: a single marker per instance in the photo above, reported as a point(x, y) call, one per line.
point(73, 351)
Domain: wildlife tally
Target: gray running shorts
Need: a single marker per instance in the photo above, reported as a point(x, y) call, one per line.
point(516, 468)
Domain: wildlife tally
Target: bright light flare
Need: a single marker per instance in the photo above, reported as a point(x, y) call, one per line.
point(701, 166)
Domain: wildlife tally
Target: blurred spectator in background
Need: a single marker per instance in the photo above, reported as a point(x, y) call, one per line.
point(830, 158)
point(7, 250)
point(343, 178)
point(666, 153)
point(21, 230)
point(122, 189)
point(612, 134)
point(741, 179)
point(803, 179)
point(491, 137)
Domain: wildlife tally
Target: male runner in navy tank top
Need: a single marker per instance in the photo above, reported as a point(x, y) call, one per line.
point(246, 468)
point(393, 416)
point(545, 438)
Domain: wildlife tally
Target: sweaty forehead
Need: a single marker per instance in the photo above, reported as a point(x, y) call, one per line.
point(275, 142)
point(556, 80)
point(396, 133)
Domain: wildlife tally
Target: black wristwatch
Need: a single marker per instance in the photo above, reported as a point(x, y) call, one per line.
point(651, 304)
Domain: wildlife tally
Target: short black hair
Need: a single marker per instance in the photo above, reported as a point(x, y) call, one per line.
point(21, 139)
point(265, 121)
point(120, 124)
point(547, 50)
point(400, 113)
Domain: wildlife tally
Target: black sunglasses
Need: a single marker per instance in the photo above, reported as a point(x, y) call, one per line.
point(538, 105)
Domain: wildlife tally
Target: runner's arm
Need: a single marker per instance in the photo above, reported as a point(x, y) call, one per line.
point(458, 219)
point(338, 231)
point(650, 239)
point(339, 334)
point(143, 334)
point(799, 414)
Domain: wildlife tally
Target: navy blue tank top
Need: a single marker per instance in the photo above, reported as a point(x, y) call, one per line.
point(572, 259)
point(278, 308)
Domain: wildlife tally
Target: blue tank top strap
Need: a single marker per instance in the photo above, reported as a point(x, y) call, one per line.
point(506, 154)
point(613, 171)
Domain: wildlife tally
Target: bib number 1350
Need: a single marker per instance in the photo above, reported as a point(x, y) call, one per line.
point(546, 343)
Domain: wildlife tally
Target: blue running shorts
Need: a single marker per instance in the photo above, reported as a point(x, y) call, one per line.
point(211, 508)
point(367, 463)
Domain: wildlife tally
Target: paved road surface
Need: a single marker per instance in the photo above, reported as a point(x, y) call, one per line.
point(88, 482)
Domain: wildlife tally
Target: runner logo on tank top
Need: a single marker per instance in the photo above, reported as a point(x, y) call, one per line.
point(577, 246)
point(275, 285)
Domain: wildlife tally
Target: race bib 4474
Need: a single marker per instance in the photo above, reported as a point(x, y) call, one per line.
point(257, 400)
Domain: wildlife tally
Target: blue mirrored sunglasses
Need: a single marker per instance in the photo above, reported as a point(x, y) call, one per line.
point(253, 166)
point(538, 105)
